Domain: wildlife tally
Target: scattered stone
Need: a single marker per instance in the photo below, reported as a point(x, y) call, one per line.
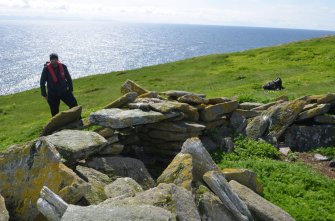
point(192, 99)
point(245, 177)
point(62, 119)
point(305, 138)
point(319, 110)
point(130, 86)
point(26, 168)
point(123, 167)
point(76, 145)
point(177, 94)
point(320, 157)
point(211, 207)
point(4, 216)
point(262, 209)
point(325, 119)
point(219, 185)
point(250, 105)
point(176, 199)
point(202, 161)
point(97, 180)
point(218, 100)
point(285, 150)
point(179, 172)
point(213, 112)
point(117, 118)
point(123, 100)
point(122, 187)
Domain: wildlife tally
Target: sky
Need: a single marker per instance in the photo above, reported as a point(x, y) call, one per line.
point(302, 14)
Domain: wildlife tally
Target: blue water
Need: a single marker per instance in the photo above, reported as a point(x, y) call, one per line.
point(92, 47)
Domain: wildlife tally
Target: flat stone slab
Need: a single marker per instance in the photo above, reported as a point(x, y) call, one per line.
point(76, 145)
point(319, 110)
point(117, 118)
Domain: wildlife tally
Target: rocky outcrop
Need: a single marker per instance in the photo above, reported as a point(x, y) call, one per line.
point(63, 120)
point(262, 209)
point(25, 169)
point(76, 145)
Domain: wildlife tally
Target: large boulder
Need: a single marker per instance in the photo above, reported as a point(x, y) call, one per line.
point(176, 199)
point(304, 138)
point(213, 112)
point(201, 159)
point(272, 123)
point(211, 207)
point(62, 119)
point(25, 169)
point(245, 177)
point(123, 100)
point(97, 180)
point(122, 187)
point(262, 209)
point(130, 86)
point(4, 216)
point(178, 172)
point(219, 185)
point(123, 167)
point(117, 118)
point(76, 145)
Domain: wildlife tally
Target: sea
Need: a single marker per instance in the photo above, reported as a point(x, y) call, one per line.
point(96, 47)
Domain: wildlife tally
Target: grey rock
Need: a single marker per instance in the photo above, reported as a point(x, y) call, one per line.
point(123, 167)
point(112, 149)
point(238, 122)
point(250, 105)
point(285, 150)
point(274, 121)
point(4, 216)
point(229, 144)
point(218, 100)
point(192, 99)
point(209, 144)
point(211, 207)
point(176, 199)
point(219, 185)
point(304, 138)
point(248, 113)
point(97, 180)
point(176, 94)
point(171, 136)
point(122, 187)
point(123, 100)
point(76, 145)
point(318, 110)
point(106, 132)
point(131, 86)
point(320, 157)
point(267, 106)
point(120, 213)
point(117, 118)
point(325, 119)
point(62, 119)
point(202, 161)
point(262, 209)
point(213, 112)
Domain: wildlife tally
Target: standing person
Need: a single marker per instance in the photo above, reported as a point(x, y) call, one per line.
point(59, 84)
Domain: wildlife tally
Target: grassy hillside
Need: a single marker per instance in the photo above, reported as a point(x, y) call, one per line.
point(306, 67)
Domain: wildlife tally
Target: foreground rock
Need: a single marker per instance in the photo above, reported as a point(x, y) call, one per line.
point(262, 209)
point(76, 145)
point(4, 216)
point(123, 167)
point(219, 185)
point(117, 118)
point(176, 199)
point(97, 181)
point(62, 119)
point(26, 169)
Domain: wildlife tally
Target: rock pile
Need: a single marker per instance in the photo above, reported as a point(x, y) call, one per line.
point(150, 153)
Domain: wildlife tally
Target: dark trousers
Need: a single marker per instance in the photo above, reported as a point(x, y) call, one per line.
point(54, 101)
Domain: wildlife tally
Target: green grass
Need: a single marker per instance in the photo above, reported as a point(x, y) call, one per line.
point(295, 187)
point(306, 67)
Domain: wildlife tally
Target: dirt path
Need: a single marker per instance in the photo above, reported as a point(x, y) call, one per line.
point(320, 166)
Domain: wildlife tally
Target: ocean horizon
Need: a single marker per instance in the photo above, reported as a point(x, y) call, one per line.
point(97, 47)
